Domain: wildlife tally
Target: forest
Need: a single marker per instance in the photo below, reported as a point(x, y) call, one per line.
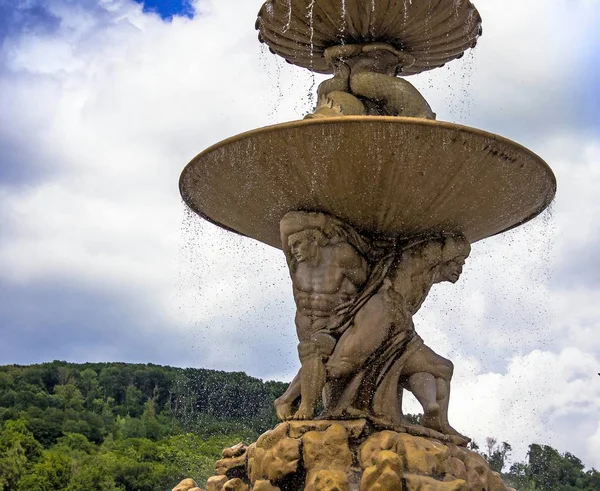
point(132, 427)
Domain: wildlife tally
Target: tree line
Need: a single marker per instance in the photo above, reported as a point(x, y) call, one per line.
point(117, 426)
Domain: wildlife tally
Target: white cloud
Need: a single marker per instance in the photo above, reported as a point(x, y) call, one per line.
point(544, 397)
point(105, 109)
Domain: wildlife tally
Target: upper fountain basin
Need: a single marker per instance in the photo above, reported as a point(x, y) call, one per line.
point(433, 32)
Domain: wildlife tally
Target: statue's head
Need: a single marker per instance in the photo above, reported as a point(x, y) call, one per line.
point(455, 250)
point(304, 245)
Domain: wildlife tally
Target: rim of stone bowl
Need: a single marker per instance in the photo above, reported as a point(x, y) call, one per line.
point(431, 177)
point(433, 31)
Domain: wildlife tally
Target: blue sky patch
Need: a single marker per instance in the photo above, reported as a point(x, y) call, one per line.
point(167, 9)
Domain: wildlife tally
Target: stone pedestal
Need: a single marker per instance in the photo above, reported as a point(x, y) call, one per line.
point(350, 455)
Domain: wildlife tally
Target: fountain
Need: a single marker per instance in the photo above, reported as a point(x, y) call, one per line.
point(372, 202)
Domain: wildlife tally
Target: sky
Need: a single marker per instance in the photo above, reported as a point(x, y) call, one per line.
point(105, 101)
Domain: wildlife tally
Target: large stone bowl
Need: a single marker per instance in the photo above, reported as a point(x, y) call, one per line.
point(386, 176)
point(434, 32)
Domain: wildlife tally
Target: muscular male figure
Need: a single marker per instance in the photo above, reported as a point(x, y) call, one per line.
point(327, 272)
point(389, 312)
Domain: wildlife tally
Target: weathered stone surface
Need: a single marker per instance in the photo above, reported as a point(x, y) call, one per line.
point(421, 456)
point(274, 455)
point(185, 485)
point(234, 451)
point(458, 452)
point(337, 459)
point(477, 470)
point(415, 482)
point(271, 437)
point(281, 459)
point(215, 483)
point(454, 467)
point(235, 485)
point(327, 480)
point(354, 427)
point(495, 482)
point(382, 440)
point(263, 485)
point(328, 449)
point(223, 466)
point(384, 475)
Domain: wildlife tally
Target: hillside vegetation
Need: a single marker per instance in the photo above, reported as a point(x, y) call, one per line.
point(116, 426)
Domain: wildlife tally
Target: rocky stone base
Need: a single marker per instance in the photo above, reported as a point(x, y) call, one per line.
point(350, 456)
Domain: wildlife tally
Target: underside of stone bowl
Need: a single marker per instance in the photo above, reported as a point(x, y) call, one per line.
point(386, 176)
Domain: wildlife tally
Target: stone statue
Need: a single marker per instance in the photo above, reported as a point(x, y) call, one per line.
point(365, 82)
point(355, 304)
point(380, 354)
point(328, 267)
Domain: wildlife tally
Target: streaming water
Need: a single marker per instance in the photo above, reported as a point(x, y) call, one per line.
point(310, 17)
point(372, 25)
point(276, 105)
point(407, 3)
point(343, 25)
point(455, 83)
point(289, 17)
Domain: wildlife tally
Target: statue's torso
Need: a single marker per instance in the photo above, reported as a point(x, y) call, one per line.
point(318, 290)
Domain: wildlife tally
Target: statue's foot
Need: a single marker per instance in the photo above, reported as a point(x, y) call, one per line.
point(346, 413)
point(431, 417)
point(303, 413)
point(448, 430)
point(283, 409)
point(381, 421)
point(353, 413)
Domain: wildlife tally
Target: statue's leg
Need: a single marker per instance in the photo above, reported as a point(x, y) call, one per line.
point(443, 388)
point(425, 360)
point(284, 404)
point(371, 328)
point(443, 397)
point(428, 377)
point(424, 387)
point(313, 354)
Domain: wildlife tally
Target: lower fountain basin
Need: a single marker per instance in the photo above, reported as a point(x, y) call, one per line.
point(387, 176)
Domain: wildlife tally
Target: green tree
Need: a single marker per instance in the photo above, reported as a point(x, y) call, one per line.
point(52, 472)
point(152, 428)
point(75, 444)
point(131, 427)
point(95, 473)
point(133, 401)
point(90, 387)
point(18, 450)
point(497, 454)
point(69, 397)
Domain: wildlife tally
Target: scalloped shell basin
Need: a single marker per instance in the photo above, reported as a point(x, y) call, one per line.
point(433, 31)
point(384, 175)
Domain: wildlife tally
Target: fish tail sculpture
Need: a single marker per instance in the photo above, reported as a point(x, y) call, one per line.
point(365, 83)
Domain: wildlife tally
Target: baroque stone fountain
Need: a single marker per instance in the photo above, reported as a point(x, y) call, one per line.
point(372, 202)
